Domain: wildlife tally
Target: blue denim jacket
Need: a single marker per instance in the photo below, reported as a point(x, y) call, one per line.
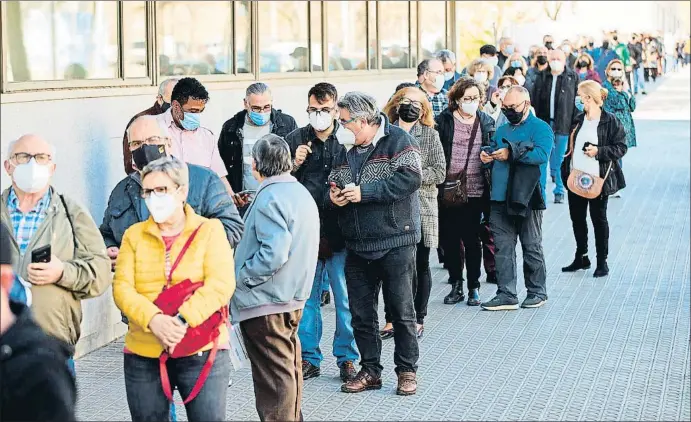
point(207, 196)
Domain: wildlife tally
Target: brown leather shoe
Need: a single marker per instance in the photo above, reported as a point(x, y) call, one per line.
point(407, 384)
point(348, 371)
point(362, 382)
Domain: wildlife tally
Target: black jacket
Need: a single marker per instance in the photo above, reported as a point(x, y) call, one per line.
point(611, 139)
point(524, 193)
point(445, 127)
point(36, 382)
point(314, 174)
point(565, 97)
point(230, 142)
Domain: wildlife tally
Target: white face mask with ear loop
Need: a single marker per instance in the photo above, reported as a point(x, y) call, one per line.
point(31, 177)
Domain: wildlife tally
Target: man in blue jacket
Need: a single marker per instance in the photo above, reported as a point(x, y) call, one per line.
point(374, 182)
point(275, 264)
point(521, 147)
point(208, 196)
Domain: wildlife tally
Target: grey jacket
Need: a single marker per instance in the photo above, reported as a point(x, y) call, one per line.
point(276, 259)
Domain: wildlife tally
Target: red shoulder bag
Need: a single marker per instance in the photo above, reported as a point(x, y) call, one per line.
point(169, 302)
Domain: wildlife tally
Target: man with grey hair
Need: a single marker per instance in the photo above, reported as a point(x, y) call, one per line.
point(448, 60)
point(521, 151)
point(241, 132)
point(374, 183)
point(165, 90)
point(275, 264)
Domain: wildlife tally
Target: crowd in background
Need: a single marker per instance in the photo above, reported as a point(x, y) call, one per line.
point(457, 161)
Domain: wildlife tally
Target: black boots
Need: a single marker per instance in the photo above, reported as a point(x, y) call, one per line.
point(602, 270)
point(456, 294)
point(580, 262)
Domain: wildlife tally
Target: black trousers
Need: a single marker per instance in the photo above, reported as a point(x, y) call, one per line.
point(422, 284)
point(578, 209)
point(463, 224)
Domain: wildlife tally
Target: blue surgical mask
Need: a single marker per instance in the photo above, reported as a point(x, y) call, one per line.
point(260, 119)
point(510, 49)
point(516, 63)
point(190, 122)
point(579, 104)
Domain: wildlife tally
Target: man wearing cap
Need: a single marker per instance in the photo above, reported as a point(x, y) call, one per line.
point(37, 385)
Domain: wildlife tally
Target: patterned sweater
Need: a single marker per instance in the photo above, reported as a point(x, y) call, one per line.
point(388, 216)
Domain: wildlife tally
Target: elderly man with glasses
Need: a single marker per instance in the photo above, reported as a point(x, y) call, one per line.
point(242, 131)
point(207, 194)
point(58, 247)
point(430, 77)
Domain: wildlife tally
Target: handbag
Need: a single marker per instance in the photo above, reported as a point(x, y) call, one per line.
point(455, 189)
point(169, 302)
point(585, 184)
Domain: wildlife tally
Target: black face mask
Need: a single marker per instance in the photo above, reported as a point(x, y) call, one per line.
point(582, 64)
point(605, 45)
point(514, 117)
point(408, 113)
point(542, 60)
point(146, 154)
point(548, 44)
point(165, 106)
point(591, 44)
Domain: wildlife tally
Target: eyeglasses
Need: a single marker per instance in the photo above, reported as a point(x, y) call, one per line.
point(345, 122)
point(152, 140)
point(23, 158)
point(258, 109)
point(414, 103)
point(514, 107)
point(468, 100)
point(505, 87)
point(326, 110)
point(615, 68)
point(438, 72)
point(157, 191)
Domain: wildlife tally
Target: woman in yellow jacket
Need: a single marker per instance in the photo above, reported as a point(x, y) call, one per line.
point(149, 250)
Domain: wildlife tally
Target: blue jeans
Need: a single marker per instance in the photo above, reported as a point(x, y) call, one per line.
point(555, 160)
point(145, 396)
point(325, 281)
point(638, 80)
point(310, 329)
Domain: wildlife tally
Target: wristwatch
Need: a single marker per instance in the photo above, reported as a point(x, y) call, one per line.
point(182, 319)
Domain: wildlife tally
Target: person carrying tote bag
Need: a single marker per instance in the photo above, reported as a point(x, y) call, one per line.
point(592, 173)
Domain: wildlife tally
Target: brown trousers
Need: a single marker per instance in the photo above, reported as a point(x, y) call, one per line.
point(273, 348)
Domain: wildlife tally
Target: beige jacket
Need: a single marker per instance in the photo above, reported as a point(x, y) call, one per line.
point(57, 307)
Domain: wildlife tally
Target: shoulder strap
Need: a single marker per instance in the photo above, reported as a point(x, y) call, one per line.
point(182, 252)
point(69, 219)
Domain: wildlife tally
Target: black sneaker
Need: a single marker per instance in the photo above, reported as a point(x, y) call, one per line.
point(309, 370)
point(326, 298)
point(500, 304)
point(533, 301)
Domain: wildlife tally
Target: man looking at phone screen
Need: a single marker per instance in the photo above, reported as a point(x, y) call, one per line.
point(38, 216)
point(312, 148)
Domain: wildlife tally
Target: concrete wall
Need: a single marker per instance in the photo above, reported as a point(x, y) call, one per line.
point(87, 133)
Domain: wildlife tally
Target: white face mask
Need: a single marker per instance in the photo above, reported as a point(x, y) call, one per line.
point(470, 108)
point(616, 73)
point(492, 60)
point(345, 136)
point(31, 177)
point(556, 65)
point(437, 81)
point(161, 207)
point(448, 76)
point(520, 79)
point(320, 121)
point(480, 77)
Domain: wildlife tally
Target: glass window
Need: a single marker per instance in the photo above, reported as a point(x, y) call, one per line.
point(316, 35)
point(283, 36)
point(134, 39)
point(347, 35)
point(432, 27)
point(61, 40)
point(243, 36)
point(194, 37)
point(394, 30)
point(373, 48)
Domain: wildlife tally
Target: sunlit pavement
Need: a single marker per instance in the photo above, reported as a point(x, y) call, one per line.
point(601, 349)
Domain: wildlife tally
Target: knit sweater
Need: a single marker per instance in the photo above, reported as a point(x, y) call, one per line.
point(388, 216)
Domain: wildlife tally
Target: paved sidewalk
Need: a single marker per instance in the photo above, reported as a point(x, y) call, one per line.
point(601, 349)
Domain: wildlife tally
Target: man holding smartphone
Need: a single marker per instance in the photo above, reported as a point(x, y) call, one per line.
point(312, 148)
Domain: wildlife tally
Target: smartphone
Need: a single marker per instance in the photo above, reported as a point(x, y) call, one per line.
point(586, 145)
point(487, 150)
point(247, 192)
point(41, 254)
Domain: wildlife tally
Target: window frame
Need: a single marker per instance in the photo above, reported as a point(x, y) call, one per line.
point(400, 71)
point(120, 81)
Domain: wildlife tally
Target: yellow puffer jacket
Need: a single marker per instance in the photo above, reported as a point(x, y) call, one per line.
point(140, 277)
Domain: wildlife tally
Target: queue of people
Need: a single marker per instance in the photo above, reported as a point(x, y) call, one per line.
point(202, 233)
